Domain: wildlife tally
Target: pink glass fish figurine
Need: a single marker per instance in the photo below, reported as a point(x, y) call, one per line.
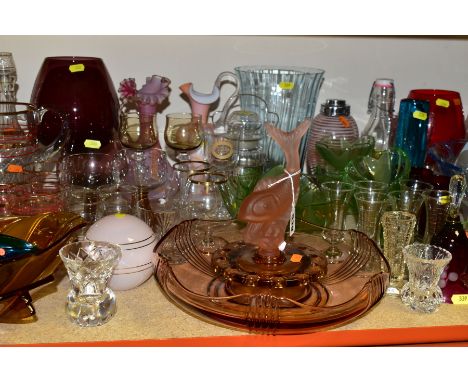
point(269, 208)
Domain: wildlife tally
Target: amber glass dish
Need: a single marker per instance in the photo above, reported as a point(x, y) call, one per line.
point(49, 232)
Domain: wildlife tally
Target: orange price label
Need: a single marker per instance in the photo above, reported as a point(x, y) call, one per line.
point(2, 252)
point(442, 102)
point(76, 68)
point(344, 121)
point(296, 258)
point(14, 168)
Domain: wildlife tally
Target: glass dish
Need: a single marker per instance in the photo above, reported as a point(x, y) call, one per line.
point(49, 232)
point(344, 293)
point(387, 166)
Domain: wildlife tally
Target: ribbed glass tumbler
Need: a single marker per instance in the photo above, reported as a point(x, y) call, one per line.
point(290, 92)
point(398, 228)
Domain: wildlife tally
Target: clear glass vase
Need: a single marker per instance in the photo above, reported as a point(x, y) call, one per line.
point(290, 92)
point(425, 264)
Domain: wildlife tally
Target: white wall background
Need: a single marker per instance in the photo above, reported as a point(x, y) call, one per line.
point(351, 64)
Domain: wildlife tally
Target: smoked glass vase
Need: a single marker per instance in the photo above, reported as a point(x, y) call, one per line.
point(82, 89)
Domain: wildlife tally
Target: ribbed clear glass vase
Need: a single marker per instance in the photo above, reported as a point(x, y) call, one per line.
point(290, 92)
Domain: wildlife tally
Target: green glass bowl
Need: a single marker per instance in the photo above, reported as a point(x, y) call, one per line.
point(387, 166)
point(339, 151)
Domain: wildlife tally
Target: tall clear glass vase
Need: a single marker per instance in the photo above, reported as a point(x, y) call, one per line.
point(290, 92)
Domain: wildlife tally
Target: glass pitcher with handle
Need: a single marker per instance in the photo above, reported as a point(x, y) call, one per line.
point(21, 128)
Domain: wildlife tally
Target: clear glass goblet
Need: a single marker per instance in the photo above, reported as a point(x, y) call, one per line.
point(148, 169)
point(338, 194)
point(370, 206)
point(204, 202)
point(182, 171)
point(89, 170)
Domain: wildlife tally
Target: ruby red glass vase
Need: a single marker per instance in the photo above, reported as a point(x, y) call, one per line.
point(80, 88)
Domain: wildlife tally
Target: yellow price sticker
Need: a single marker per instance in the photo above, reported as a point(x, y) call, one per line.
point(442, 102)
point(286, 85)
point(460, 299)
point(120, 215)
point(92, 144)
point(76, 68)
point(444, 199)
point(420, 115)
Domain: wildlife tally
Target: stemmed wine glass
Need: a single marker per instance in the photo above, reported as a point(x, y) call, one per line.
point(183, 133)
point(81, 174)
point(338, 194)
point(204, 202)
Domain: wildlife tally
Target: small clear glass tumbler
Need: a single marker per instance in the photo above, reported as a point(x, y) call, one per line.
point(425, 264)
point(90, 265)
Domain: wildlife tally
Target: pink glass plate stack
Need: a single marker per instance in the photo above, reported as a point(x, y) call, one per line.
point(346, 292)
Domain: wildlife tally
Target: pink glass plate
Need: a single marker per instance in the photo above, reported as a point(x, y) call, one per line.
point(346, 292)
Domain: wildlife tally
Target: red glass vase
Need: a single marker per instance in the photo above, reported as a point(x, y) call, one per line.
point(446, 119)
point(81, 89)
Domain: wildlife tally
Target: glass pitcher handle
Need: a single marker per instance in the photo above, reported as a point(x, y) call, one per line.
point(49, 119)
point(234, 80)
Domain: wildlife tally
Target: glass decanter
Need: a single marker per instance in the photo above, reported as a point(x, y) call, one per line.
point(382, 122)
point(452, 237)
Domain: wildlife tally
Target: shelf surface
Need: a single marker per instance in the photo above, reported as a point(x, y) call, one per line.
point(146, 318)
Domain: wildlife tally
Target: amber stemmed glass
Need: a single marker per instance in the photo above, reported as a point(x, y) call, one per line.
point(183, 133)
